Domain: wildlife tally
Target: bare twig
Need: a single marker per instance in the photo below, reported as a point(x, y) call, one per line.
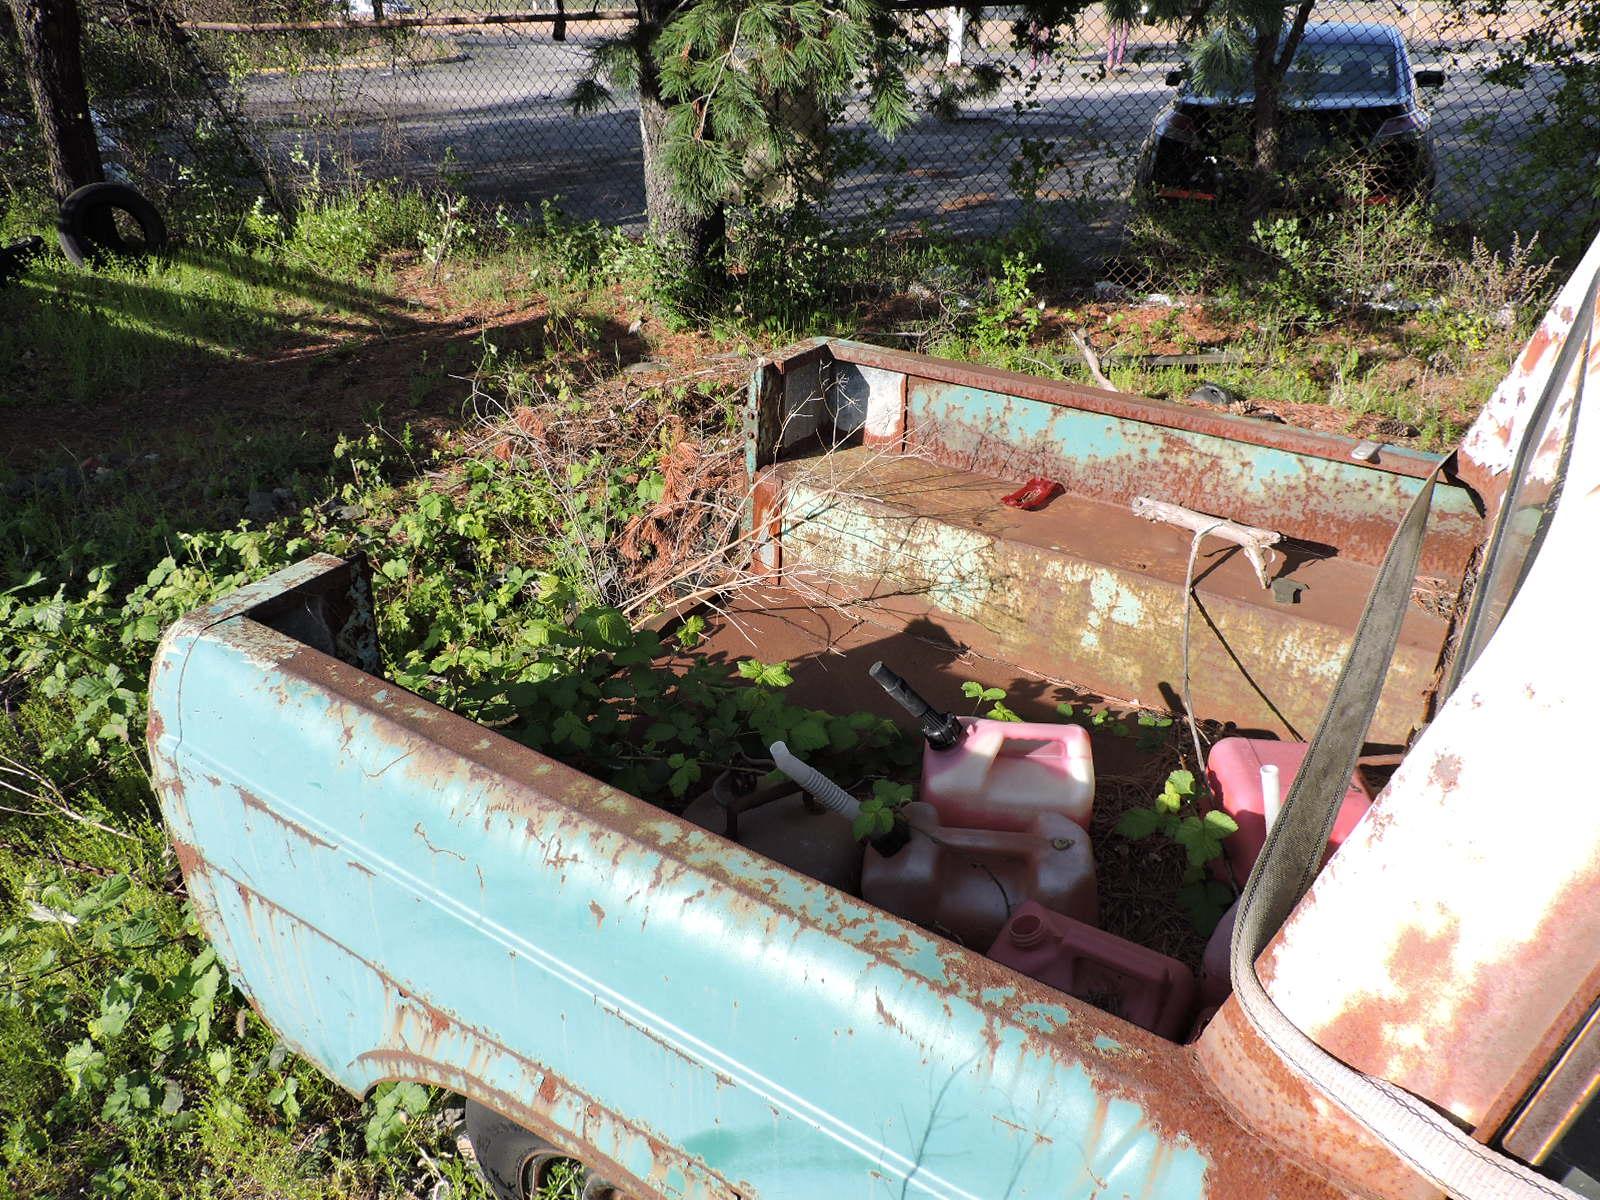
point(1252, 540)
point(1093, 359)
point(42, 790)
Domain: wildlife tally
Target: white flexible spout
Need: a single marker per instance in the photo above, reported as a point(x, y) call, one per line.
point(827, 793)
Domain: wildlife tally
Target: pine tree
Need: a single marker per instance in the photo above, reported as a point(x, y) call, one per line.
point(1263, 34)
point(1231, 38)
point(736, 97)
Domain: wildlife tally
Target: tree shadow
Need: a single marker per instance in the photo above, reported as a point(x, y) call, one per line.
point(217, 436)
point(74, 337)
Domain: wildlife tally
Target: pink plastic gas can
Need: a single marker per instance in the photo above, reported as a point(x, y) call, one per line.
point(964, 882)
point(1002, 774)
point(1233, 769)
point(1131, 981)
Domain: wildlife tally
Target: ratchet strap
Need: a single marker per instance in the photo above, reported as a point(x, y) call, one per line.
point(1418, 1134)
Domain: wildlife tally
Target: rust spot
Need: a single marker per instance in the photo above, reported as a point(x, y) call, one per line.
point(432, 849)
point(1249, 1080)
point(1500, 1022)
point(1445, 772)
point(599, 913)
point(290, 826)
point(1540, 342)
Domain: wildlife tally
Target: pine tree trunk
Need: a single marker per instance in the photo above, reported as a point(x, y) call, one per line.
point(50, 33)
point(1264, 134)
point(1268, 68)
point(699, 236)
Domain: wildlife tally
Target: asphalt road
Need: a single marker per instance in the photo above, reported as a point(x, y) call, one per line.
point(497, 117)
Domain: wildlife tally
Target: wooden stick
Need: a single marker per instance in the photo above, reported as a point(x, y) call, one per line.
point(1093, 359)
point(1251, 540)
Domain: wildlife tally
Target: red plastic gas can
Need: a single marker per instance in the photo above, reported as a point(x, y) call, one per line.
point(1233, 769)
point(1131, 981)
point(963, 882)
point(1002, 774)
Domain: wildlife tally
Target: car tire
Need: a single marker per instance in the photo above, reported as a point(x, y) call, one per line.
point(86, 224)
point(518, 1165)
point(513, 1162)
point(15, 258)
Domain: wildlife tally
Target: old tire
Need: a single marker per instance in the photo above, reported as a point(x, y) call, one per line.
point(16, 257)
point(518, 1165)
point(86, 225)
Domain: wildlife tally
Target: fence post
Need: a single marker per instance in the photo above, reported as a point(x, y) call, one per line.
point(956, 18)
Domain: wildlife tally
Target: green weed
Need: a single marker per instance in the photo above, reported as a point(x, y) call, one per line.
point(128, 326)
point(131, 1066)
point(1175, 815)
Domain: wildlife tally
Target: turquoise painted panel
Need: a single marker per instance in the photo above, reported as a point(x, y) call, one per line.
point(1348, 505)
point(404, 894)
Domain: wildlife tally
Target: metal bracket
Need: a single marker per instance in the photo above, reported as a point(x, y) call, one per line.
point(1287, 591)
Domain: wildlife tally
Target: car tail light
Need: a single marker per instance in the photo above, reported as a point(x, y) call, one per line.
point(1410, 122)
point(1176, 126)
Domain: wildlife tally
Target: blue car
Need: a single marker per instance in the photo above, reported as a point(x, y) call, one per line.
point(1350, 91)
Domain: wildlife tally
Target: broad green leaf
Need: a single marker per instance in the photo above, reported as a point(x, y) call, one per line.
point(116, 1006)
point(220, 1063)
point(1138, 823)
point(1196, 838)
point(85, 1066)
point(891, 793)
point(777, 675)
point(842, 735)
point(678, 782)
point(102, 896)
point(612, 627)
point(809, 733)
point(690, 632)
point(1205, 901)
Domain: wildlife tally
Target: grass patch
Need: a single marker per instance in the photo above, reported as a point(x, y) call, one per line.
point(129, 326)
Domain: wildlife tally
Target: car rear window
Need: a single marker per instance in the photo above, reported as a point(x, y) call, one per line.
point(1322, 69)
point(1355, 69)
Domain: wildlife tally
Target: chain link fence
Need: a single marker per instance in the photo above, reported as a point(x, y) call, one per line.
point(1016, 120)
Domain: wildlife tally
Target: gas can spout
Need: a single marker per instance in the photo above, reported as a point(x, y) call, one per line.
point(941, 730)
point(826, 792)
point(1271, 795)
point(834, 798)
